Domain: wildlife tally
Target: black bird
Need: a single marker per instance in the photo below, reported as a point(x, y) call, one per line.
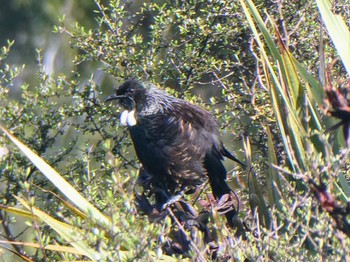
point(177, 143)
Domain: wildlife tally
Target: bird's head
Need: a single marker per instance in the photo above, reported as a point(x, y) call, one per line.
point(131, 95)
point(141, 99)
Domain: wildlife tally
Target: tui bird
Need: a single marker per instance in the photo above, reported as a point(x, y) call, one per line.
point(177, 143)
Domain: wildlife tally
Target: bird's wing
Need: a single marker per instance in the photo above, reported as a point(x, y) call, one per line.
point(185, 126)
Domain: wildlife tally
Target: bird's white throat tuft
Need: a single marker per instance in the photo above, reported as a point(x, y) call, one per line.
point(128, 118)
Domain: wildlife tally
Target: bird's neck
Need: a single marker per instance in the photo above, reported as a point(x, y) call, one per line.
point(157, 102)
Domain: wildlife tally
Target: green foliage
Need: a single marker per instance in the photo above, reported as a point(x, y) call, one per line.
point(261, 86)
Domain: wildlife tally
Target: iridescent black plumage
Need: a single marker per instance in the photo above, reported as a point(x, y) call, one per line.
point(178, 143)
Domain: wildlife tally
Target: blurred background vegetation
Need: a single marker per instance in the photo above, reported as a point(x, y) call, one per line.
point(206, 52)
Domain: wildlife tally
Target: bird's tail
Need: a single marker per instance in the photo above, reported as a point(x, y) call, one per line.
point(227, 154)
point(217, 179)
point(225, 197)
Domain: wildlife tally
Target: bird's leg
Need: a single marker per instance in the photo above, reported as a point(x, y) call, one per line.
point(161, 197)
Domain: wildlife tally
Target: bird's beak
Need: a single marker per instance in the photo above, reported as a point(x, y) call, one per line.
point(111, 97)
point(123, 101)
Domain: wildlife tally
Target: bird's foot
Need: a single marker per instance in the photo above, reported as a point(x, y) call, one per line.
point(226, 204)
point(172, 200)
